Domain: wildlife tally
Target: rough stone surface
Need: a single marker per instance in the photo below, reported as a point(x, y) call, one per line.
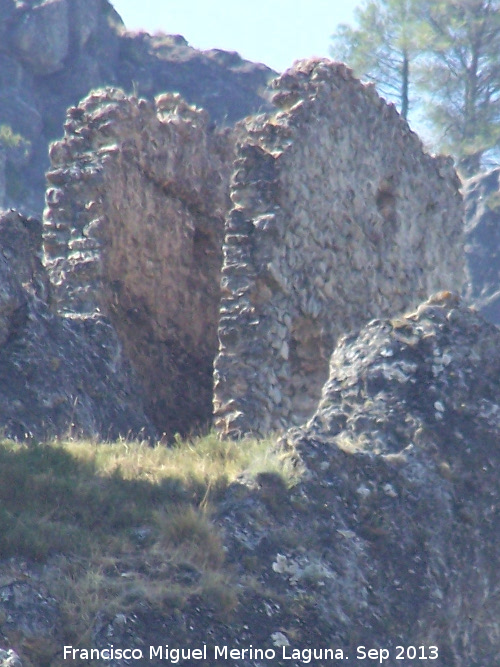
point(221, 82)
point(54, 52)
point(391, 536)
point(13, 301)
point(482, 243)
point(58, 376)
point(41, 36)
point(133, 229)
point(397, 520)
point(9, 658)
point(338, 216)
point(328, 228)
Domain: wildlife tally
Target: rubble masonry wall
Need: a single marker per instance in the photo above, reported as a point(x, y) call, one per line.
point(133, 229)
point(338, 216)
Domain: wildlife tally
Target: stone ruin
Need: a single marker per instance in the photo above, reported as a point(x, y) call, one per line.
point(249, 249)
point(133, 229)
point(482, 243)
point(338, 216)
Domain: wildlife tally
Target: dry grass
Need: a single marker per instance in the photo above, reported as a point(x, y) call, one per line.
point(122, 523)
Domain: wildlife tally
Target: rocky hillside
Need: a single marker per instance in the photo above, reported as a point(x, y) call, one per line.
point(52, 53)
point(57, 375)
point(386, 537)
point(369, 532)
point(402, 455)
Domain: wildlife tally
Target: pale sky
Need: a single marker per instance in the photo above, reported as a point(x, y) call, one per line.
point(275, 32)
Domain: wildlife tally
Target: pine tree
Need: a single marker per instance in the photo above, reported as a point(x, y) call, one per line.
point(382, 47)
point(459, 78)
point(445, 54)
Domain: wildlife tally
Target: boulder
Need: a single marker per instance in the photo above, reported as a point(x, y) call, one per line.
point(392, 538)
point(84, 20)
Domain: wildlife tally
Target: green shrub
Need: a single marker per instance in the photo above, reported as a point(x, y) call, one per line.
point(11, 139)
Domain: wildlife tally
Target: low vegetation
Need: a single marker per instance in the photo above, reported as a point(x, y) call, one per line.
point(118, 523)
point(12, 140)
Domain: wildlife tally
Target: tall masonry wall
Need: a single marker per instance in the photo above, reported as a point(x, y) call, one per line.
point(133, 229)
point(338, 216)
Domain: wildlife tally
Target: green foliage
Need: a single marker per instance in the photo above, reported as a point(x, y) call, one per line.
point(460, 78)
point(15, 145)
point(382, 47)
point(10, 139)
point(443, 55)
point(17, 149)
point(71, 496)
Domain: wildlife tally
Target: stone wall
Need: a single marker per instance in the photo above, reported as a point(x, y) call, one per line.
point(482, 243)
point(54, 52)
point(133, 229)
point(338, 216)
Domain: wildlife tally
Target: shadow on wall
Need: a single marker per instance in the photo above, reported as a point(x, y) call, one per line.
point(142, 243)
point(309, 355)
point(137, 227)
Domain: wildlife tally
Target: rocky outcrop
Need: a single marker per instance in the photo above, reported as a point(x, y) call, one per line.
point(338, 216)
point(482, 243)
point(221, 82)
point(133, 230)
point(389, 540)
point(392, 539)
point(54, 52)
point(9, 658)
point(404, 447)
point(58, 376)
point(41, 37)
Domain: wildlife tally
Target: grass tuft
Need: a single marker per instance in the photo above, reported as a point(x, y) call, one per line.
point(125, 522)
